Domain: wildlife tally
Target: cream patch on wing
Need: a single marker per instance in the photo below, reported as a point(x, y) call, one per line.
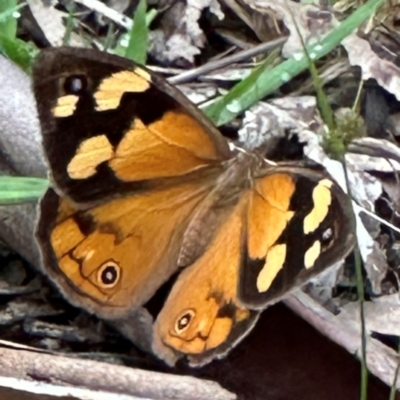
point(65, 106)
point(110, 91)
point(312, 254)
point(273, 264)
point(322, 198)
point(91, 153)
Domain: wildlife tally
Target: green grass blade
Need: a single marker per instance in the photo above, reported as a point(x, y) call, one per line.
point(232, 102)
point(252, 90)
point(20, 189)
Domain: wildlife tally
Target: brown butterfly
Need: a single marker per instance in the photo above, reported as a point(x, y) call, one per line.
point(144, 185)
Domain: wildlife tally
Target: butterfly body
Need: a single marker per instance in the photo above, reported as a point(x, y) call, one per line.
point(145, 185)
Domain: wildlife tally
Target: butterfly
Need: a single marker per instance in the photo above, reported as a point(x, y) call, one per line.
point(144, 186)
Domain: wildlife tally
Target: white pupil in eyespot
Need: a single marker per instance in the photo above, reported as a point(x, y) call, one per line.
point(183, 322)
point(327, 235)
point(76, 85)
point(109, 275)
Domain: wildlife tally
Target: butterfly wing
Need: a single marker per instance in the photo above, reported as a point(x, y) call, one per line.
point(299, 223)
point(111, 258)
point(288, 226)
point(111, 125)
point(131, 158)
point(202, 316)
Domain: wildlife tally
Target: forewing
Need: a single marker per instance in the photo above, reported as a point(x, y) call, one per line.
point(299, 223)
point(110, 125)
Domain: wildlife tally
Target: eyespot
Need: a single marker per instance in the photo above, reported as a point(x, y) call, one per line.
point(109, 274)
point(183, 322)
point(75, 84)
point(327, 236)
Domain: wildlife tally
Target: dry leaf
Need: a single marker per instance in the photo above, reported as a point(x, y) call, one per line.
point(51, 22)
point(180, 36)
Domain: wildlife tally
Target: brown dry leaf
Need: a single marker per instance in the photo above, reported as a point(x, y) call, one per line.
point(364, 53)
point(266, 27)
point(382, 314)
point(312, 23)
point(180, 36)
point(392, 189)
point(267, 120)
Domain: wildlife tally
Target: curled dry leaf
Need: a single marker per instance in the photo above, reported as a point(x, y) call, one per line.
point(267, 120)
point(264, 26)
point(180, 36)
point(383, 69)
point(309, 20)
point(377, 149)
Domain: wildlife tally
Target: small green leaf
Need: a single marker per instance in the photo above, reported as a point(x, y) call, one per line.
point(70, 21)
point(20, 52)
point(8, 20)
point(138, 36)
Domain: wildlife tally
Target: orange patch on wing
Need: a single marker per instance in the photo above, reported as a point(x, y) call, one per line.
point(183, 131)
point(139, 233)
point(221, 329)
point(109, 93)
point(65, 236)
point(66, 263)
point(90, 153)
point(204, 287)
point(172, 146)
point(268, 212)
